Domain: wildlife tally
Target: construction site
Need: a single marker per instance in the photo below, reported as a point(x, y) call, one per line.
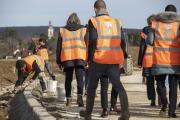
point(38, 55)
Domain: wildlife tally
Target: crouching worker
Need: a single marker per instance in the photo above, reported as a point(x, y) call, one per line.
point(26, 67)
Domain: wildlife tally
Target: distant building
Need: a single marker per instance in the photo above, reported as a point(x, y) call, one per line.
point(50, 31)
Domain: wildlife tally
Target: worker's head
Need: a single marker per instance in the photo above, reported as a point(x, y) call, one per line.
point(21, 65)
point(99, 5)
point(150, 19)
point(73, 19)
point(170, 8)
point(42, 41)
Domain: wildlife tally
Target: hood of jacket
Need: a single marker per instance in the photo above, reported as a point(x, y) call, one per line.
point(168, 17)
point(73, 26)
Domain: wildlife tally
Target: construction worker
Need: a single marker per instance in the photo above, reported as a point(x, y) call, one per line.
point(27, 66)
point(114, 94)
point(72, 55)
point(145, 60)
point(166, 56)
point(104, 56)
point(104, 81)
point(42, 50)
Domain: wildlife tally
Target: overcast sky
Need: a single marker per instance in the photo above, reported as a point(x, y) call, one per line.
point(38, 12)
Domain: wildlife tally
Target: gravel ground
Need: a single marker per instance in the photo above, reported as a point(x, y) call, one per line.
point(139, 105)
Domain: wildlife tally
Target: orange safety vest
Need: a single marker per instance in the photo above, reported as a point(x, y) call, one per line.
point(73, 44)
point(43, 52)
point(29, 61)
point(166, 46)
point(108, 49)
point(148, 55)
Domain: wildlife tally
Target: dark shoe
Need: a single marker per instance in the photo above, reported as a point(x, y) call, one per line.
point(68, 102)
point(82, 113)
point(113, 110)
point(104, 113)
point(80, 101)
point(53, 77)
point(153, 103)
point(162, 113)
point(172, 115)
point(179, 105)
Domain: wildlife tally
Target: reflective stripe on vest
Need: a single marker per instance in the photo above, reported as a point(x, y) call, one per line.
point(43, 53)
point(108, 49)
point(29, 62)
point(166, 44)
point(148, 57)
point(73, 44)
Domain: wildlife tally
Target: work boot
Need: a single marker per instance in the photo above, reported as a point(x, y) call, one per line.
point(153, 103)
point(68, 102)
point(179, 105)
point(173, 115)
point(104, 113)
point(80, 101)
point(82, 113)
point(113, 110)
point(53, 77)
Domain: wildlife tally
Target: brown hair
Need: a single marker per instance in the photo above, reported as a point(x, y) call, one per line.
point(150, 19)
point(73, 18)
point(99, 4)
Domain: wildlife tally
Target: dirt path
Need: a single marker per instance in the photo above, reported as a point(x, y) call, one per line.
point(139, 105)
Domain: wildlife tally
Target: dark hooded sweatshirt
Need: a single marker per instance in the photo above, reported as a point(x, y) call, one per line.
point(69, 63)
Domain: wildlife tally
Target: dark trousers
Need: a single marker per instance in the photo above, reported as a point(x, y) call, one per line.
point(104, 88)
point(173, 83)
point(114, 95)
point(151, 92)
point(112, 71)
point(86, 78)
point(79, 71)
point(104, 91)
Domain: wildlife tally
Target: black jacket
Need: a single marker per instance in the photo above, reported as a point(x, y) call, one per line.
point(93, 38)
point(142, 49)
point(70, 63)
